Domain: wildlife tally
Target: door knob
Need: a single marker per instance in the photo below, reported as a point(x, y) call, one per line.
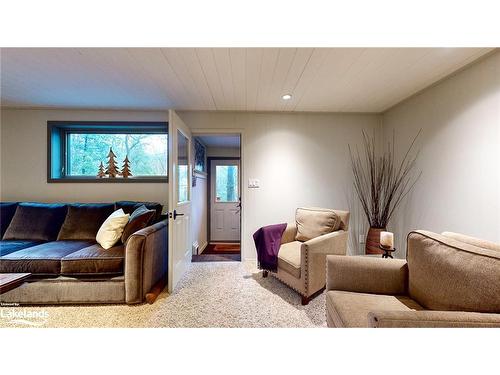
point(176, 214)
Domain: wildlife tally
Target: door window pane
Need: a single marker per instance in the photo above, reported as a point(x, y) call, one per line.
point(182, 168)
point(226, 183)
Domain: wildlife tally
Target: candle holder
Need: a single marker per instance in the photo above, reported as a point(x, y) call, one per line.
point(387, 251)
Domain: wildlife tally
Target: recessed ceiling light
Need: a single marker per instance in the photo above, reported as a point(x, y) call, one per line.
point(286, 97)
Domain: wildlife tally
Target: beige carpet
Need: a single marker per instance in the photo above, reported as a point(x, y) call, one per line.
point(225, 294)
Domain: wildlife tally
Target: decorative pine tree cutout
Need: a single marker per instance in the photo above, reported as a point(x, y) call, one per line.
point(126, 168)
point(101, 173)
point(112, 168)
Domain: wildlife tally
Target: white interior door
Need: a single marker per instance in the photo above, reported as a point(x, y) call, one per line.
point(179, 198)
point(225, 207)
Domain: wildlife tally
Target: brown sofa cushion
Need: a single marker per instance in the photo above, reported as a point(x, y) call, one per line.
point(36, 222)
point(94, 260)
point(42, 259)
point(314, 222)
point(84, 220)
point(350, 309)
point(446, 274)
point(139, 219)
point(289, 258)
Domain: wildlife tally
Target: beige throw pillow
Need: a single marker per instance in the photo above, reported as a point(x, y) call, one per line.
point(111, 230)
point(315, 222)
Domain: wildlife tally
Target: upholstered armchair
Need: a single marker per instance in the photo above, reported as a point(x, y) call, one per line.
point(447, 280)
point(305, 243)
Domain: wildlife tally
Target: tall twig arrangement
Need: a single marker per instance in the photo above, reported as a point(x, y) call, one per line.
point(380, 183)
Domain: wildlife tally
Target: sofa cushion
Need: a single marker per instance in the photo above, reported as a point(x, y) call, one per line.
point(472, 241)
point(44, 259)
point(7, 247)
point(349, 309)
point(84, 220)
point(130, 206)
point(139, 219)
point(314, 222)
point(94, 260)
point(289, 258)
point(446, 274)
point(36, 221)
point(7, 211)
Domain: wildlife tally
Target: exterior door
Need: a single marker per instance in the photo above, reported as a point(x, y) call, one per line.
point(179, 199)
point(225, 207)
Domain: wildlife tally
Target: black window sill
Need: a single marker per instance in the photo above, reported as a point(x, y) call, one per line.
point(118, 180)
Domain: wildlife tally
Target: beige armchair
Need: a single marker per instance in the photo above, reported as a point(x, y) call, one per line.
point(448, 280)
point(305, 244)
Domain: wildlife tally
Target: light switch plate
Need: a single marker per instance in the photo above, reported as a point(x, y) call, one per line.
point(253, 183)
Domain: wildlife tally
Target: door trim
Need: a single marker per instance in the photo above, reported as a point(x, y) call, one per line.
point(209, 192)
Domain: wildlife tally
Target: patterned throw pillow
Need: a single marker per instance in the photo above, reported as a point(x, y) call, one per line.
point(139, 219)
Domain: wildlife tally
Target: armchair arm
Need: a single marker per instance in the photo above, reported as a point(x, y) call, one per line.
point(313, 258)
point(146, 255)
point(334, 243)
point(289, 233)
point(431, 319)
point(366, 274)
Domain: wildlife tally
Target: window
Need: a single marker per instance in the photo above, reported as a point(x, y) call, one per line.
point(226, 180)
point(182, 168)
point(77, 149)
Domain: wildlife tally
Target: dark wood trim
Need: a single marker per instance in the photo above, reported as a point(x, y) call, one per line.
point(209, 190)
point(120, 125)
point(223, 242)
point(95, 180)
point(101, 127)
point(49, 151)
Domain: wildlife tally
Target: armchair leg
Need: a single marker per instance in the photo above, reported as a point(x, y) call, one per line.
point(265, 273)
point(306, 300)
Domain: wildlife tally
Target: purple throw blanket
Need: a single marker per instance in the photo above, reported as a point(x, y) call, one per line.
point(268, 241)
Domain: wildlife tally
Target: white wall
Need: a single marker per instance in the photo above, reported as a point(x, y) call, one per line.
point(300, 159)
point(199, 212)
point(460, 154)
point(24, 159)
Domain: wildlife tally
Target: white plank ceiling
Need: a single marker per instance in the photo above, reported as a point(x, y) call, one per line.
point(242, 79)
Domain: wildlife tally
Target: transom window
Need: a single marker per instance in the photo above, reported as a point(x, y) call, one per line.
point(77, 149)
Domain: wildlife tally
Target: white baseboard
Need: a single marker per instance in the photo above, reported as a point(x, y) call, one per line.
point(202, 248)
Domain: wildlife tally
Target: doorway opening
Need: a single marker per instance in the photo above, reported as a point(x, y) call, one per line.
point(217, 198)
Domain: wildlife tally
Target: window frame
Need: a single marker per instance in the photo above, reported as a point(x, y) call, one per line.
point(57, 135)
